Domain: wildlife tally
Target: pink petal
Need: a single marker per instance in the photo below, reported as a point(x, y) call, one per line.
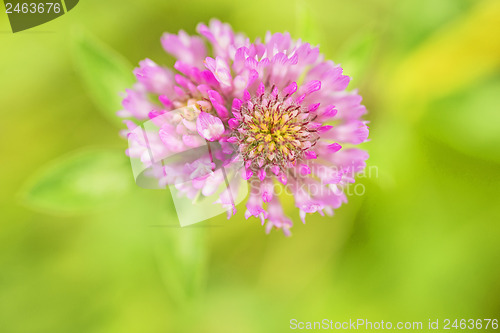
point(291, 89)
point(310, 155)
point(247, 174)
point(262, 174)
point(233, 123)
point(313, 107)
point(261, 89)
point(324, 128)
point(334, 147)
point(246, 95)
point(282, 178)
point(311, 87)
point(209, 127)
point(304, 169)
point(330, 112)
point(236, 105)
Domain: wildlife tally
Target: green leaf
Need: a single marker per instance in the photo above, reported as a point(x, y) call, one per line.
point(104, 72)
point(79, 182)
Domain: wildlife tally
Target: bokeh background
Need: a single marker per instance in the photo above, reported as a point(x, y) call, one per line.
point(82, 249)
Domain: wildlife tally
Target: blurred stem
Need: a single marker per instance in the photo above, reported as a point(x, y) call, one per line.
point(181, 255)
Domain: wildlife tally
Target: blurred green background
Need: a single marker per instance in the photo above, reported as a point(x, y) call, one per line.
point(82, 249)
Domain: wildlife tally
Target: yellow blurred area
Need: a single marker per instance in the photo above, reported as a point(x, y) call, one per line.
point(456, 56)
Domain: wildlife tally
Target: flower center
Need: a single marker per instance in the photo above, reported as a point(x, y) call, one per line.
point(274, 132)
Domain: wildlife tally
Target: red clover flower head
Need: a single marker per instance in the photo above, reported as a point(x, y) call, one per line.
point(274, 108)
